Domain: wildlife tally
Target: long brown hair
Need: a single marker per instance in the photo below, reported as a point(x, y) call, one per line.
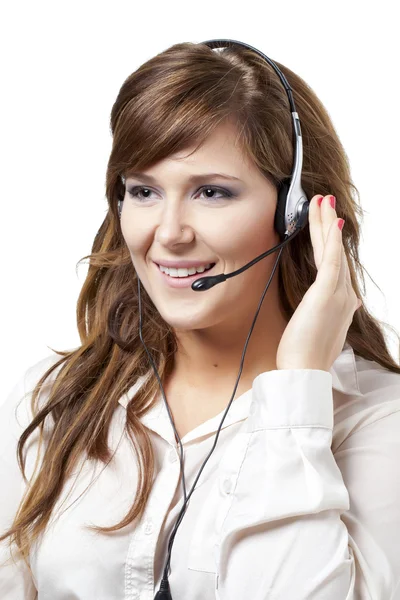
point(171, 102)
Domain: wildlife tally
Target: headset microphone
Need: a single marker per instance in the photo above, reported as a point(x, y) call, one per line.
point(205, 283)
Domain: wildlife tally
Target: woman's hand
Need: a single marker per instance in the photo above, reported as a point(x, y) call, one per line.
point(316, 333)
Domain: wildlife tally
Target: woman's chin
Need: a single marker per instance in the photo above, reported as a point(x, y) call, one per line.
point(188, 321)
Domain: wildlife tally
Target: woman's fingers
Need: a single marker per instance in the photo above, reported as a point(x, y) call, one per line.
point(323, 221)
point(316, 230)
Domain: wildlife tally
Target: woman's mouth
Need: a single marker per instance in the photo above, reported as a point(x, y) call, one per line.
point(185, 281)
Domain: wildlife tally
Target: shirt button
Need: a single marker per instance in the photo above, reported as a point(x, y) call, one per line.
point(148, 527)
point(227, 486)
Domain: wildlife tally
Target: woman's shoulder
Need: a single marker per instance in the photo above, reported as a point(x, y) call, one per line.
point(374, 397)
point(16, 407)
point(377, 384)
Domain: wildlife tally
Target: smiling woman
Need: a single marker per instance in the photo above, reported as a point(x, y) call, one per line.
point(304, 477)
point(180, 221)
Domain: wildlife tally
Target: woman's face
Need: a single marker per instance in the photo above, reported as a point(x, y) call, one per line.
point(225, 221)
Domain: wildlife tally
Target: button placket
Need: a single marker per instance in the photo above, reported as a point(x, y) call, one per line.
point(142, 544)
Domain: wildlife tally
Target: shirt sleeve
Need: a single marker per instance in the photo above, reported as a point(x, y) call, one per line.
point(16, 581)
point(302, 523)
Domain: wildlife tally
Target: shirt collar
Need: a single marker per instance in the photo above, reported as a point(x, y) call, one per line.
point(344, 380)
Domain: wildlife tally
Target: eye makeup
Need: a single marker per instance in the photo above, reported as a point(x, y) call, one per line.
point(134, 192)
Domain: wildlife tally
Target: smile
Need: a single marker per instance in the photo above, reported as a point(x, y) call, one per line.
point(182, 281)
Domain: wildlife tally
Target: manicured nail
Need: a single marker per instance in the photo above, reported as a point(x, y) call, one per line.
point(341, 222)
point(320, 201)
point(332, 200)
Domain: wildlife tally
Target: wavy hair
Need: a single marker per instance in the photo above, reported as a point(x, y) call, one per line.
point(171, 102)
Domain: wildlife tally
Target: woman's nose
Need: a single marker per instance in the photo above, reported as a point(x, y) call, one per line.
point(172, 228)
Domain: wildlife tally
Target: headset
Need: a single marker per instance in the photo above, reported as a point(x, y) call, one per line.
point(291, 217)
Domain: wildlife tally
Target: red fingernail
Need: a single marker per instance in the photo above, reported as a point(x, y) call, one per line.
point(320, 201)
point(332, 200)
point(341, 222)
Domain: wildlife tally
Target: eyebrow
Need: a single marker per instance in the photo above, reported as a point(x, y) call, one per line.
point(199, 177)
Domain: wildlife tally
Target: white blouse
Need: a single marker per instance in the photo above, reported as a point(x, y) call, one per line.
point(300, 499)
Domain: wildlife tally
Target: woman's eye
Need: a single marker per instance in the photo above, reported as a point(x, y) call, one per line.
point(209, 188)
point(136, 192)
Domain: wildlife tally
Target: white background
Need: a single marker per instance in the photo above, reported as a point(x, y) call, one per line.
point(62, 66)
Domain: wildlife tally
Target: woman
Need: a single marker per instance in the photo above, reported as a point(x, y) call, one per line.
point(300, 497)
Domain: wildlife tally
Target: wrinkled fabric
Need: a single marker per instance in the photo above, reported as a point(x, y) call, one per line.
point(300, 500)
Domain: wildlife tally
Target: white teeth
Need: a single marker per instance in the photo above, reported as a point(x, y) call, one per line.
point(183, 272)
